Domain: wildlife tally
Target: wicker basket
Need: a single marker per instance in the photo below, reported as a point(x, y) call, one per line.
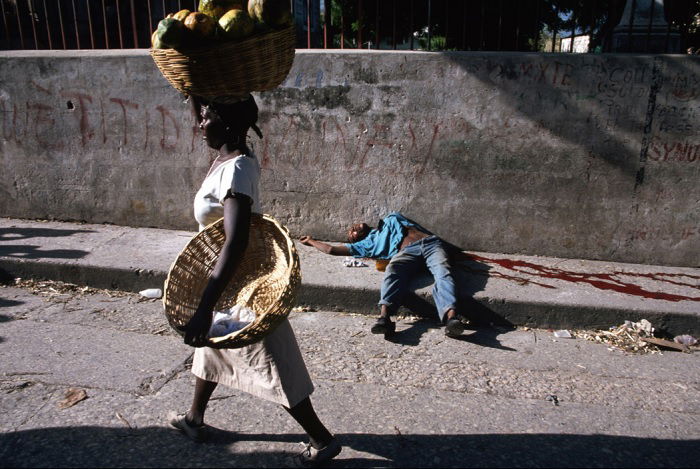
point(258, 63)
point(266, 280)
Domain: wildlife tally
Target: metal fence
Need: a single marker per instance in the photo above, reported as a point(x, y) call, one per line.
point(497, 25)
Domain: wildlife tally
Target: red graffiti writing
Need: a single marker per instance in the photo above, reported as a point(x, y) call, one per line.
point(36, 119)
point(86, 130)
point(649, 234)
point(124, 104)
point(40, 88)
point(164, 113)
point(683, 151)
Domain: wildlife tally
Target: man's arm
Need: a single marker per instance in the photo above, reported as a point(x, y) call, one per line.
point(326, 248)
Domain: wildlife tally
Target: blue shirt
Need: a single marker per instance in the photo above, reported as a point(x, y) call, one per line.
point(385, 240)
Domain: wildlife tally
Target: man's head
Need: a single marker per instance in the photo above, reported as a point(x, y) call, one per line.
point(358, 232)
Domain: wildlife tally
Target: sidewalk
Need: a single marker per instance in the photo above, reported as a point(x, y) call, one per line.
point(520, 290)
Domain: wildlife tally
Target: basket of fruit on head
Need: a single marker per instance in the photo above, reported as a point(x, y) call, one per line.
point(227, 47)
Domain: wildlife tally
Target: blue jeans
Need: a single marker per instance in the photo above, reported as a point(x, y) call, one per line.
point(430, 252)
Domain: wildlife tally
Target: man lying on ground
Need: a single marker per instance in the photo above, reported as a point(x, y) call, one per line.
point(410, 248)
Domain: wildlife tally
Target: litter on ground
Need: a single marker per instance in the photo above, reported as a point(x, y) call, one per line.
point(635, 337)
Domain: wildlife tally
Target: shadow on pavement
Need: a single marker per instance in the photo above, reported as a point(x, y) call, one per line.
point(6, 278)
point(412, 334)
point(28, 251)
point(36, 252)
point(90, 446)
point(486, 337)
point(9, 234)
point(4, 304)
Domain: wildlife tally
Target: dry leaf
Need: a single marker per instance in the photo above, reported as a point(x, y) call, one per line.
point(123, 420)
point(72, 397)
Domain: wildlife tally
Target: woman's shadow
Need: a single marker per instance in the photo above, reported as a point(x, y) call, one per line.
point(471, 277)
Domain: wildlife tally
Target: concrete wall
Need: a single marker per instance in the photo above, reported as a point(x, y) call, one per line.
point(571, 155)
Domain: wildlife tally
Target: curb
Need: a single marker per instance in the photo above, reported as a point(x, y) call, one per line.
point(495, 311)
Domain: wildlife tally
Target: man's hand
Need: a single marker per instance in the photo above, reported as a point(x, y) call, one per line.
point(197, 329)
point(325, 247)
point(306, 240)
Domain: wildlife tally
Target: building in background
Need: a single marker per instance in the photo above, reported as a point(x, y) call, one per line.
point(580, 44)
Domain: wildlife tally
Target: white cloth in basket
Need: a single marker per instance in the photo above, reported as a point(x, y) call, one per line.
point(230, 320)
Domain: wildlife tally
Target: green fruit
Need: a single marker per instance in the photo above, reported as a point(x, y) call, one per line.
point(275, 13)
point(236, 24)
point(217, 8)
point(171, 32)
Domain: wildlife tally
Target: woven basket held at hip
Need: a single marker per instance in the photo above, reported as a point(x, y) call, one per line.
point(258, 63)
point(266, 280)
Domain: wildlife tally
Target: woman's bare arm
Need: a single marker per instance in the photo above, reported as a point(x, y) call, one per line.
point(237, 211)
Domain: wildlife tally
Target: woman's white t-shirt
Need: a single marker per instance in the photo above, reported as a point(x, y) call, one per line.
point(273, 368)
point(238, 175)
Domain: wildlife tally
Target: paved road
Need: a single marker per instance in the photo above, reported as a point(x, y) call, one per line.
point(419, 401)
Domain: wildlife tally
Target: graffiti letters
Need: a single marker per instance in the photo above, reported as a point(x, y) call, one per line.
point(679, 151)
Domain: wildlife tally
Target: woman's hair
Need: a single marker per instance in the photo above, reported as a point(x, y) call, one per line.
point(238, 116)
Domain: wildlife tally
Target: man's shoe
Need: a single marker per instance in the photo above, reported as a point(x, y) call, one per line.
point(454, 327)
point(311, 456)
point(384, 326)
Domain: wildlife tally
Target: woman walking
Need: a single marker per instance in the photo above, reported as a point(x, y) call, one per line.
point(272, 369)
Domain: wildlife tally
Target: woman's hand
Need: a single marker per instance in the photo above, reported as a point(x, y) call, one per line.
point(197, 329)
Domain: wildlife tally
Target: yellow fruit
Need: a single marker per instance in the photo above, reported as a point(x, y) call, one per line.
point(217, 8)
point(156, 42)
point(236, 24)
point(201, 24)
point(275, 13)
point(181, 15)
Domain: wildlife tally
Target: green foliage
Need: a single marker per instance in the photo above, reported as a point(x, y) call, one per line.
point(436, 43)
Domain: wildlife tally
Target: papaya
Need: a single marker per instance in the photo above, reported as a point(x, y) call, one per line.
point(156, 43)
point(236, 24)
point(181, 15)
point(275, 13)
point(171, 33)
point(202, 25)
point(217, 8)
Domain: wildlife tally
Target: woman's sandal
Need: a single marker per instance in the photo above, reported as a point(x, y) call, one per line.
point(384, 326)
point(196, 433)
